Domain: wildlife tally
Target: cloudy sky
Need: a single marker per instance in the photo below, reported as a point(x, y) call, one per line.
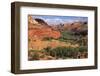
point(59, 19)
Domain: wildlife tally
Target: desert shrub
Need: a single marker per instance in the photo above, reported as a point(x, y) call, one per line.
point(67, 35)
point(60, 52)
point(35, 54)
point(83, 49)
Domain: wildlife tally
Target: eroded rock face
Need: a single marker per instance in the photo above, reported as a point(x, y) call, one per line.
point(43, 33)
point(73, 26)
point(37, 31)
point(39, 28)
point(31, 20)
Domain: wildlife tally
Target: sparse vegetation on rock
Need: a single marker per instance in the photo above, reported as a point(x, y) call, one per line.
point(61, 41)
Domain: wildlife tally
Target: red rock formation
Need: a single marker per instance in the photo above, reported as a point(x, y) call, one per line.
point(40, 29)
point(42, 33)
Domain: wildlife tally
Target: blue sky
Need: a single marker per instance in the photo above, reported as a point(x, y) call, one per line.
point(60, 19)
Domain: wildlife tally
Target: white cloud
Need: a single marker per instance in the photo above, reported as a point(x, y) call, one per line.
point(54, 21)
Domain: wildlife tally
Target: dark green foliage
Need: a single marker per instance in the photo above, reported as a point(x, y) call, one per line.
point(67, 35)
point(64, 52)
point(83, 49)
point(58, 52)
